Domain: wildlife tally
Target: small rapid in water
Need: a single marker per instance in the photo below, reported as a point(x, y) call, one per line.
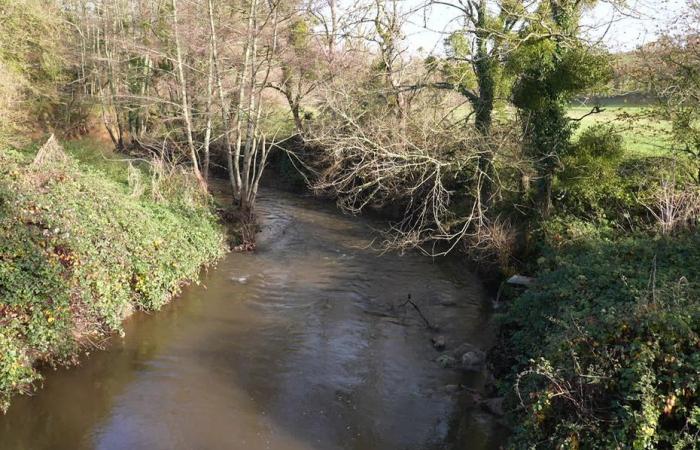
point(304, 344)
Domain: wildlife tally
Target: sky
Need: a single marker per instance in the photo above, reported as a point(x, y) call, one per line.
point(640, 23)
point(620, 29)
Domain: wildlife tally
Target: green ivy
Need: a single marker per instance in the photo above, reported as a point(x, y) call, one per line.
point(79, 252)
point(605, 349)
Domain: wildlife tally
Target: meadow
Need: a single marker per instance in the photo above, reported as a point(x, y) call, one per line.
point(644, 134)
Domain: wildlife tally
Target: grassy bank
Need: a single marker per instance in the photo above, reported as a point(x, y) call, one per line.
point(82, 245)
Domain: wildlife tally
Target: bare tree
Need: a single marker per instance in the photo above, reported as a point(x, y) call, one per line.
point(372, 161)
point(186, 112)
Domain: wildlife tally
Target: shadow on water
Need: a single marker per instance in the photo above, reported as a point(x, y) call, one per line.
point(302, 345)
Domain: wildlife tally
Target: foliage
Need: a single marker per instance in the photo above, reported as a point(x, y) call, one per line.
point(671, 67)
point(31, 64)
point(599, 182)
point(550, 72)
point(605, 346)
point(596, 155)
point(79, 252)
point(598, 144)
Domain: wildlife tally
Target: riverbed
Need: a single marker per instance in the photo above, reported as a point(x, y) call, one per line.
point(307, 343)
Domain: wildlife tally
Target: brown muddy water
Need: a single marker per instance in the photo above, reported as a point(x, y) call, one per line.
point(301, 345)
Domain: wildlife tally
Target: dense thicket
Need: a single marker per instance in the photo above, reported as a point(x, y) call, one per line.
point(604, 348)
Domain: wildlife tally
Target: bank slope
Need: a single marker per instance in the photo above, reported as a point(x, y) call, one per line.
point(81, 247)
point(605, 348)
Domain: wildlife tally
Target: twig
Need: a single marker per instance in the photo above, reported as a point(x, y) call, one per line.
point(596, 110)
point(427, 322)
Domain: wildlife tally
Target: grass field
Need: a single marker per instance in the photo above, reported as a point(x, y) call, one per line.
point(644, 135)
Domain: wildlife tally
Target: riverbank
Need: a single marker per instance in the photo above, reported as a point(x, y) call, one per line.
point(85, 240)
point(306, 343)
point(603, 348)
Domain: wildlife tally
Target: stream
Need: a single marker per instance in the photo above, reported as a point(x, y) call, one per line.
point(306, 343)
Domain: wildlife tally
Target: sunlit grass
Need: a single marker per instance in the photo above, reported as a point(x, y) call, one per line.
point(100, 157)
point(643, 134)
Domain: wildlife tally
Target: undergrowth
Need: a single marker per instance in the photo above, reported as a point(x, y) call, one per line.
point(82, 245)
point(605, 349)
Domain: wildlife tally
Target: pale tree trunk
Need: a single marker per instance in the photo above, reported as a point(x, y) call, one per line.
point(225, 115)
point(248, 150)
point(248, 65)
point(256, 154)
point(207, 132)
point(186, 116)
point(251, 116)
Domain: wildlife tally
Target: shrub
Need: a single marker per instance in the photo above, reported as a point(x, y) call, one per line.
point(599, 185)
point(589, 185)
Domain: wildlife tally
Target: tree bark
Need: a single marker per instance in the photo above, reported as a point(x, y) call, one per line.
point(225, 113)
point(184, 101)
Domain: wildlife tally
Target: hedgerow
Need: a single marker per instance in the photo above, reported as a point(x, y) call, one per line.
point(79, 251)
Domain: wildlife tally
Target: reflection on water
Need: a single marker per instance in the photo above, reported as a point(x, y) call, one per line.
point(301, 345)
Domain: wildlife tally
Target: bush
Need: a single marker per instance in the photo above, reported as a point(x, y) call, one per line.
point(589, 185)
point(78, 253)
point(599, 185)
point(599, 143)
point(605, 347)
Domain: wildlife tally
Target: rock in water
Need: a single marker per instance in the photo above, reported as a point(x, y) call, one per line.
point(473, 360)
point(520, 280)
point(438, 342)
point(446, 361)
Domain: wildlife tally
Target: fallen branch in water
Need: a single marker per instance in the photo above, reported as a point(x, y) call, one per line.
point(427, 322)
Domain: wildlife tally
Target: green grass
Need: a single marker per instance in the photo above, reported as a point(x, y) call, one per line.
point(80, 249)
point(100, 157)
point(644, 136)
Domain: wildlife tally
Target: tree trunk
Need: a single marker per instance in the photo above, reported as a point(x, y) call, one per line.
point(225, 113)
point(184, 101)
point(483, 104)
point(298, 124)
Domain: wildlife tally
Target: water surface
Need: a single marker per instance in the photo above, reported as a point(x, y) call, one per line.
point(302, 345)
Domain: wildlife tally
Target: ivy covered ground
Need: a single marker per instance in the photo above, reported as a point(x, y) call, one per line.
point(84, 244)
point(605, 348)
